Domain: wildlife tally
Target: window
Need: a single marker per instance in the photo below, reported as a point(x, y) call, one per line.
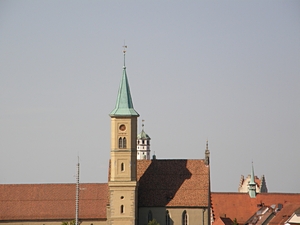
point(150, 216)
point(124, 142)
point(120, 142)
point(122, 209)
point(122, 167)
point(168, 219)
point(184, 218)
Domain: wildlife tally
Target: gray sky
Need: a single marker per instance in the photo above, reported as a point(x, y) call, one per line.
point(228, 71)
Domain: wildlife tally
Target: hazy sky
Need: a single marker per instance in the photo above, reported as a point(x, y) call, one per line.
point(226, 71)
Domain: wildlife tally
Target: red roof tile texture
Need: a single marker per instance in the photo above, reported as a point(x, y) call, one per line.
point(284, 214)
point(242, 207)
point(173, 183)
point(223, 221)
point(52, 201)
point(162, 183)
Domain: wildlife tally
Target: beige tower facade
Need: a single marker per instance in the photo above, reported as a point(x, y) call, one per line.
point(122, 208)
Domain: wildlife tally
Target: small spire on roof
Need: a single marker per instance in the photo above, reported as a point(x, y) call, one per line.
point(207, 154)
point(252, 184)
point(252, 178)
point(154, 156)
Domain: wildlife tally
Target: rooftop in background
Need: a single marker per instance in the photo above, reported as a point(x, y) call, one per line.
point(242, 207)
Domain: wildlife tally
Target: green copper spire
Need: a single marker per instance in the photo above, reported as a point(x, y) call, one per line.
point(252, 176)
point(124, 105)
point(252, 184)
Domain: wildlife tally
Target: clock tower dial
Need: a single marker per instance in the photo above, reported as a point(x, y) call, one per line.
point(122, 127)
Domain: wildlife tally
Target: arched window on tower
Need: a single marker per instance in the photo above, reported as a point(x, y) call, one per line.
point(122, 167)
point(168, 219)
point(185, 218)
point(124, 142)
point(122, 209)
point(120, 142)
point(150, 216)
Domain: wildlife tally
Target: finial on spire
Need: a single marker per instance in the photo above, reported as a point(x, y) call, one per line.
point(143, 124)
point(124, 52)
point(206, 144)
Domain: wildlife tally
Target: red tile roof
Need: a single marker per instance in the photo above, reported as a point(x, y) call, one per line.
point(52, 201)
point(162, 182)
point(223, 221)
point(242, 207)
point(283, 215)
point(173, 183)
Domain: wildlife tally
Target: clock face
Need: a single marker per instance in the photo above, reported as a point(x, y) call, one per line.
point(122, 127)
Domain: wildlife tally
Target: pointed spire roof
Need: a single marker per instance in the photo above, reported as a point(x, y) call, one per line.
point(252, 184)
point(252, 176)
point(207, 153)
point(124, 105)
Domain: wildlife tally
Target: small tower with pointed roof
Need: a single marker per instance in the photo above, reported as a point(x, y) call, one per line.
point(252, 184)
point(143, 145)
point(122, 208)
point(207, 154)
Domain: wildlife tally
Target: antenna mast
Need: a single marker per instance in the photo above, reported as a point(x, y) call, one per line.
point(77, 195)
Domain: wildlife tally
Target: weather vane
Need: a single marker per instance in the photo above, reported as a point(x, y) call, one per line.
point(124, 48)
point(124, 51)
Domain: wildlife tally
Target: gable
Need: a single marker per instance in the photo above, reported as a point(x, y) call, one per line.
point(181, 183)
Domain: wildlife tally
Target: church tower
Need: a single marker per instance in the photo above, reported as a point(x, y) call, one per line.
point(122, 209)
point(143, 145)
